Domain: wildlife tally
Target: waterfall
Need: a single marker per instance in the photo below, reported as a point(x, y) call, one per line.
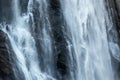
point(85, 20)
point(23, 44)
point(76, 49)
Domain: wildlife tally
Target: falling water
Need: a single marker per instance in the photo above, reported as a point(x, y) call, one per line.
point(23, 44)
point(86, 21)
point(85, 33)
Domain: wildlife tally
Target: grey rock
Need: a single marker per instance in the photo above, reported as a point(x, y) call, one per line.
point(6, 72)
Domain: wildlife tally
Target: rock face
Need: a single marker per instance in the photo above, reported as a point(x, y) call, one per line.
point(6, 10)
point(114, 12)
point(57, 24)
point(6, 72)
point(118, 6)
point(117, 2)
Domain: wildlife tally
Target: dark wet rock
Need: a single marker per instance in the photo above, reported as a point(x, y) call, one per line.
point(6, 11)
point(6, 72)
point(114, 6)
point(117, 3)
point(23, 6)
point(118, 6)
point(60, 40)
point(114, 12)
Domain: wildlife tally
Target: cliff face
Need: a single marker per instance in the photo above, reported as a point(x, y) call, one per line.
point(6, 72)
point(117, 2)
point(6, 10)
point(118, 6)
point(113, 7)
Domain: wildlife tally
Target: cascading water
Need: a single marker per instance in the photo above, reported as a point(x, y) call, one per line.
point(85, 32)
point(23, 44)
point(86, 21)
